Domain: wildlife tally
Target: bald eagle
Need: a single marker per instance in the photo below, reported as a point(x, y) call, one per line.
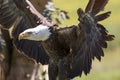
point(72, 49)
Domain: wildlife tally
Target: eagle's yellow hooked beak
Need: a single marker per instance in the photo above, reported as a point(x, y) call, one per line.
point(21, 36)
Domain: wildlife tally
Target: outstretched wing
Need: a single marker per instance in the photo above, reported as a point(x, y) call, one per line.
point(94, 37)
point(16, 12)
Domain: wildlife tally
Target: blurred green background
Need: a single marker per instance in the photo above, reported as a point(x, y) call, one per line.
point(109, 67)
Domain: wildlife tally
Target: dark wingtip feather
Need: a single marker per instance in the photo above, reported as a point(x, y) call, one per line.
point(110, 37)
point(80, 12)
point(98, 6)
point(90, 6)
point(104, 33)
point(102, 16)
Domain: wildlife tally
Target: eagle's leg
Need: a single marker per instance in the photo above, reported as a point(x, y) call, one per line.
point(52, 70)
point(64, 68)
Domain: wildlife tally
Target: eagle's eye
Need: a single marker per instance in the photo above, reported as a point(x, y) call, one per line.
point(29, 33)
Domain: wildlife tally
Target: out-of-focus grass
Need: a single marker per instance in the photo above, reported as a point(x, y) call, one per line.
point(102, 75)
point(109, 67)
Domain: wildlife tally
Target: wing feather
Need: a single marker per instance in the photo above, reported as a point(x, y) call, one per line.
point(90, 5)
point(95, 6)
point(98, 6)
point(102, 16)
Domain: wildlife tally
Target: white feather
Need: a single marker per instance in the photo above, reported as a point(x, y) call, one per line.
point(39, 33)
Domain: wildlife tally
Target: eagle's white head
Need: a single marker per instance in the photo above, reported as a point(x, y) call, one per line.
point(39, 33)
